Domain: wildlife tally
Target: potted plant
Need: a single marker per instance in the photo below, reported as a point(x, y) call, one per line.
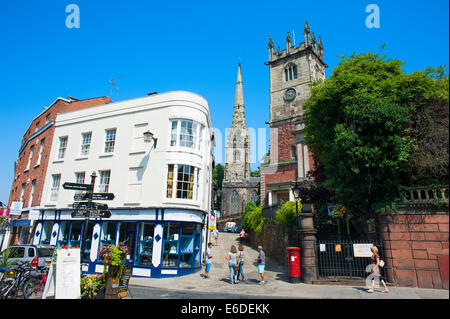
point(93, 287)
point(113, 260)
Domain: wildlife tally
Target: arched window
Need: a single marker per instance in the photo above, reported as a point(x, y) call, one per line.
point(254, 197)
point(234, 208)
point(290, 72)
point(237, 156)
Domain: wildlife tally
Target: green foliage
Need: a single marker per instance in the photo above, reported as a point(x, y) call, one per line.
point(255, 174)
point(252, 218)
point(91, 284)
point(287, 214)
point(218, 174)
point(5, 261)
point(359, 123)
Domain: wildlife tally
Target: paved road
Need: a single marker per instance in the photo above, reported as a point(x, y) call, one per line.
point(157, 293)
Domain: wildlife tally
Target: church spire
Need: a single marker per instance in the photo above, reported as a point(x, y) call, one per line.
point(239, 109)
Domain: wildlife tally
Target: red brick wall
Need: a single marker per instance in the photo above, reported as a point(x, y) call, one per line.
point(412, 241)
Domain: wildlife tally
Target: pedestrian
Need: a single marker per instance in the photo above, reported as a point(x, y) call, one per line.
point(242, 235)
point(232, 262)
point(240, 263)
point(261, 264)
point(216, 236)
point(376, 270)
point(208, 257)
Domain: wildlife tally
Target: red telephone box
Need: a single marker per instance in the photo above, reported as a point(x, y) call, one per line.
point(294, 264)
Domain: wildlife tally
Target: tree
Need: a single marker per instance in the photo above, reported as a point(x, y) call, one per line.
point(255, 174)
point(218, 174)
point(359, 124)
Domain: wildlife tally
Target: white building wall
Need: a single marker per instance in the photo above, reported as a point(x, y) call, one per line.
point(135, 166)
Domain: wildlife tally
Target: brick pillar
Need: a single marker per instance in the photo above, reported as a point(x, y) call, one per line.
point(307, 238)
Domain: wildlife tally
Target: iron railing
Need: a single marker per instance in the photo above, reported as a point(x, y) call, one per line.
point(340, 262)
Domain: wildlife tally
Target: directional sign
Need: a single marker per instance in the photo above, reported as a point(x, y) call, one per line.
point(94, 196)
point(102, 214)
point(89, 206)
point(78, 186)
point(81, 213)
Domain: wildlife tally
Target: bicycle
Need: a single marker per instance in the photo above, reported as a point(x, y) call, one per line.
point(34, 283)
point(10, 287)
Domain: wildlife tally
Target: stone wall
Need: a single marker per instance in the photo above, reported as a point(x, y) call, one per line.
point(412, 241)
point(274, 239)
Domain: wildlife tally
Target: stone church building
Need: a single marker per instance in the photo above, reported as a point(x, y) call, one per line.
point(238, 186)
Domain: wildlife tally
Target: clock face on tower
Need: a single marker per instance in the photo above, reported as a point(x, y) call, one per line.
point(290, 94)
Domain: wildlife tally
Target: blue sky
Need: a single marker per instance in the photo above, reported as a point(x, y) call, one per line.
point(186, 45)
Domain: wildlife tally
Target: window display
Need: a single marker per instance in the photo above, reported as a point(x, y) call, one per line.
point(46, 232)
point(145, 244)
point(64, 230)
point(171, 242)
point(187, 245)
point(75, 234)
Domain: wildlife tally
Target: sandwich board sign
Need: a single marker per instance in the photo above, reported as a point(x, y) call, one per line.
point(64, 276)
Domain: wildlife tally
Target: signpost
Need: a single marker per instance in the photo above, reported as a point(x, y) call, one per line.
point(78, 186)
point(94, 196)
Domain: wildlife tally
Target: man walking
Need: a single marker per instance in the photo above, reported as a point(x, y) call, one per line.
point(208, 257)
point(216, 236)
point(261, 264)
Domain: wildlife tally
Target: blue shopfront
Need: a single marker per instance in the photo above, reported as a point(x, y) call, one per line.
point(162, 242)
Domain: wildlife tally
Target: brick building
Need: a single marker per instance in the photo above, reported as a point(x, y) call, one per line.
point(31, 166)
point(291, 72)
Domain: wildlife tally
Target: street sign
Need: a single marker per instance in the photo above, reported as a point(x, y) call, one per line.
point(80, 213)
point(78, 186)
point(89, 206)
point(102, 214)
point(94, 196)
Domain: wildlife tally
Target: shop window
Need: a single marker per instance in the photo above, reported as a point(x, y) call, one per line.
point(187, 245)
point(87, 247)
point(171, 243)
point(63, 238)
point(75, 234)
point(108, 235)
point(46, 232)
point(198, 245)
point(145, 244)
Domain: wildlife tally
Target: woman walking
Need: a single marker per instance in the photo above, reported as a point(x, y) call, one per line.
point(376, 270)
point(232, 262)
point(240, 262)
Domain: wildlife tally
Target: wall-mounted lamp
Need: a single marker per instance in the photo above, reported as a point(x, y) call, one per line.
point(148, 138)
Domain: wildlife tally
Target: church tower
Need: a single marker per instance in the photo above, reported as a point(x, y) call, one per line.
point(237, 151)
point(291, 72)
point(238, 187)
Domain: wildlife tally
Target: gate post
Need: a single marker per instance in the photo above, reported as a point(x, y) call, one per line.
point(307, 238)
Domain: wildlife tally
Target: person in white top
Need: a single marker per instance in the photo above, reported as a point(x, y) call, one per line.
point(240, 263)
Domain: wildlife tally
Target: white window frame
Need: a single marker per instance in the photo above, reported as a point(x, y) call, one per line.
point(105, 176)
point(175, 181)
point(33, 188)
point(110, 143)
point(63, 140)
point(31, 157)
point(56, 181)
point(41, 150)
point(85, 146)
point(176, 136)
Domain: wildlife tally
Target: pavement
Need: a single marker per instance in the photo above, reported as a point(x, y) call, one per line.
point(276, 285)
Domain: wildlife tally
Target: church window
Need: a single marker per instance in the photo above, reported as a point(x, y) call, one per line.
point(290, 72)
point(234, 208)
point(237, 156)
point(254, 197)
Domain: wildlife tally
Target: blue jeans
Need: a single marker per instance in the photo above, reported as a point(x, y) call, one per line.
point(232, 272)
point(241, 272)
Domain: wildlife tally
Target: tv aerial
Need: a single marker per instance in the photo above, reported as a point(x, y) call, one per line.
point(113, 85)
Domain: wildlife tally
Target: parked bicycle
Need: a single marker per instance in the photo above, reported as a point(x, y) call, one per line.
point(34, 283)
point(13, 287)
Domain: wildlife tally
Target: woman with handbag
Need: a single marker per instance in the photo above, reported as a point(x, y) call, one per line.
point(376, 269)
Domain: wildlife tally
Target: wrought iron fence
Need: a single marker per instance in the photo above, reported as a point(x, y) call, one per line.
point(336, 258)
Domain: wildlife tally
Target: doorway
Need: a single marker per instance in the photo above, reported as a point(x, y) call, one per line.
point(127, 237)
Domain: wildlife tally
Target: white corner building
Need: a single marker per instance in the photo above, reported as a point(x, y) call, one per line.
point(161, 187)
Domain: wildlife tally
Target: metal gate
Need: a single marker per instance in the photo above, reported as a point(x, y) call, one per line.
point(336, 258)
